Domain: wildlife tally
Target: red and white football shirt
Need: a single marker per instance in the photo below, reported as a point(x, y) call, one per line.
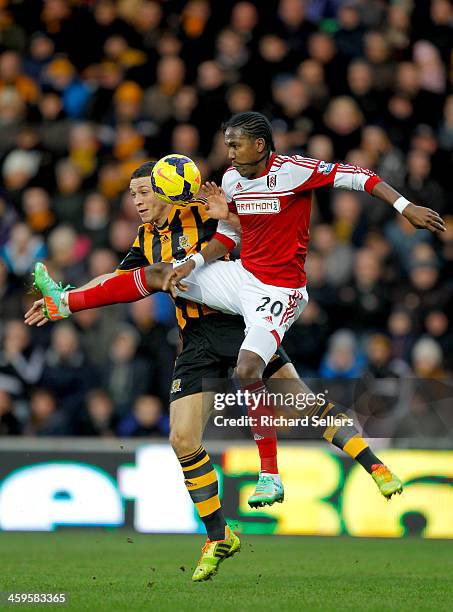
point(274, 210)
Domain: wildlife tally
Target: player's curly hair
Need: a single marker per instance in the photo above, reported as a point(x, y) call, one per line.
point(253, 124)
point(145, 169)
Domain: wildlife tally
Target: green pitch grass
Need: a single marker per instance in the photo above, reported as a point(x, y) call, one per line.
point(122, 571)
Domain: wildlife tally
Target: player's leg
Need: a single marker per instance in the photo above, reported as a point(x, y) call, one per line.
point(346, 437)
point(188, 417)
point(268, 313)
point(128, 287)
point(187, 421)
point(213, 285)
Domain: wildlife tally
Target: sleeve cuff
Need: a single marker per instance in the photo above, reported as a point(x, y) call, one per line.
point(371, 182)
point(228, 242)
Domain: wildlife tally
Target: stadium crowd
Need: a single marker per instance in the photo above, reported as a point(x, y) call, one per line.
point(91, 89)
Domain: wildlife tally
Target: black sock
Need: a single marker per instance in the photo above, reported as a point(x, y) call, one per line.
point(201, 482)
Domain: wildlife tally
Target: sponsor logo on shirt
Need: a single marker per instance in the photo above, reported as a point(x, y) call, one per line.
point(324, 167)
point(259, 206)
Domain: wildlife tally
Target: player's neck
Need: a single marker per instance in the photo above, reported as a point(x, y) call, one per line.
point(160, 214)
point(260, 168)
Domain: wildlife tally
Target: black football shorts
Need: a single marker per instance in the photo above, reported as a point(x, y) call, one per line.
point(210, 349)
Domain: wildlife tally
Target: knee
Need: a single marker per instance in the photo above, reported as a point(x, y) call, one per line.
point(183, 442)
point(249, 369)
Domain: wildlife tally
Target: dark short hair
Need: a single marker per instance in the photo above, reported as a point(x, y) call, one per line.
point(254, 125)
point(145, 169)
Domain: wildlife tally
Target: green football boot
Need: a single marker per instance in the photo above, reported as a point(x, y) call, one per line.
point(269, 489)
point(387, 482)
point(213, 553)
point(51, 291)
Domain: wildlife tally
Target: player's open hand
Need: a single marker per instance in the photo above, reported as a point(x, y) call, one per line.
point(36, 316)
point(424, 218)
point(171, 279)
point(216, 203)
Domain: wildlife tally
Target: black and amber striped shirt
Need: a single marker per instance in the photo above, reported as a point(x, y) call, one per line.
point(187, 230)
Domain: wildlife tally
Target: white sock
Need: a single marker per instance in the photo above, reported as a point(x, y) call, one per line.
point(64, 306)
point(275, 477)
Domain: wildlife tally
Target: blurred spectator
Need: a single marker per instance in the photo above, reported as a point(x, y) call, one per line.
point(157, 344)
point(68, 199)
point(97, 418)
point(9, 424)
point(382, 391)
point(22, 250)
point(348, 222)
point(38, 213)
point(10, 295)
point(322, 48)
point(294, 25)
point(427, 359)
point(388, 161)
point(378, 54)
point(402, 333)
point(446, 130)
point(125, 375)
point(96, 220)
point(231, 53)
point(337, 256)
point(361, 84)
point(44, 418)
point(343, 120)
point(343, 358)
point(306, 340)
point(349, 36)
point(403, 237)
point(21, 363)
point(66, 252)
point(157, 103)
point(437, 326)
point(145, 419)
point(54, 125)
point(12, 76)
point(380, 363)
point(61, 76)
point(365, 301)
point(420, 187)
point(67, 371)
point(41, 52)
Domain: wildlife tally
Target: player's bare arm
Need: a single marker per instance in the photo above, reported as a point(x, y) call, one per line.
point(419, 216)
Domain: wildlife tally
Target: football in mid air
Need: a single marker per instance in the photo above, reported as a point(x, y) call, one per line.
point(175, 178)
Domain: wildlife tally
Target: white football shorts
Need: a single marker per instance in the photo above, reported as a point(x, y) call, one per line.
point(268, 311)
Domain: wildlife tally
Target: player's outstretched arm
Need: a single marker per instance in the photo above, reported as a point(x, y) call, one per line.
point(419, 216)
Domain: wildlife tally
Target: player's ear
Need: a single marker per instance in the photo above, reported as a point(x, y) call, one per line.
point(260, 144)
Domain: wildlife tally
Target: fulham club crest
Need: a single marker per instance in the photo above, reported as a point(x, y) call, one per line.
point(271, 181)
